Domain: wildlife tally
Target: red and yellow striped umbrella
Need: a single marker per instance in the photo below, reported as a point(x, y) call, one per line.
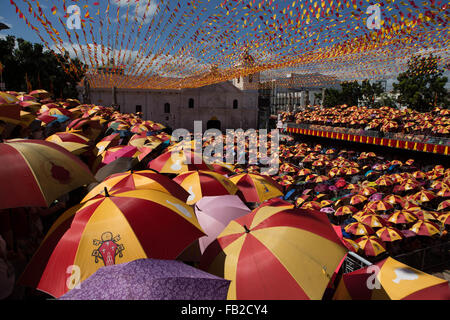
point(371, 245)
point(379, 205)
point(384, 181)
point(257, 188)
point(439, 185)
point(444, 205)
point(423, 196)
point(40, 94)
point(107, 142)
point(444, 192)
point(372, 220)
point(201, 184)
point(71, 141)
point(357, 199)
point(425, 228)
point(426, 215)
point(444, 218)
point(304, 172)
point(419, 175)
point(37, 172)
point(358, 229)
point(397, 281)
point(367, 191)
point(10, 113)
point(178, 162)
point(402, 216)
point(137, 180)
point(345, 210)
point(300, 251)
point(389, 234)
point(301, 199)
point(116, 229)
point(394, 199)
point(326, 203)
point(6, 99)
point(314, 205)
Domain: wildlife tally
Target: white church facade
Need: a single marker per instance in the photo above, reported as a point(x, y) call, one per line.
point(231, 103)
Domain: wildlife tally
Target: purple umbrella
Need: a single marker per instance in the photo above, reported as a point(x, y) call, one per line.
point(328, 210)
point(150, 279)
point(376, 197)
point(215, 213)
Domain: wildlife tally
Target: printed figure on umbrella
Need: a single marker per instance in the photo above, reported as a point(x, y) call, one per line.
point(108, 249)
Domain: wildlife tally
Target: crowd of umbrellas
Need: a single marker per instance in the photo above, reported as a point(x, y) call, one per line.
point(408, 123)
point(148, 225)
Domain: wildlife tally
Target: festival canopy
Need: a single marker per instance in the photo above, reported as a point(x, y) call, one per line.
point(185, 44)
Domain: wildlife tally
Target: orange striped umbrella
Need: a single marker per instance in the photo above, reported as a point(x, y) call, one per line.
point(37, 172)
point(311, 205)
point(137, 180)
point(372, 220)
point(444, 193)
point(390, 234)
point(371, 245)
point(426, 215)
point(201, 184)
point(367, 191)
point(298, 249)
point(358, 229)
point(301, 199)
point(257, 188)
point(397, 281)
point(394, 199)
point(379, 205)
point(444, 205)
point(402, 216)
point(444, 218)
point(116, 229)
point(423, 196)
point(357, 199)
point(325, 203)
point(425, 228)
point(303, 172)
point(345, 210)
point(384, 181)
point(178, 162)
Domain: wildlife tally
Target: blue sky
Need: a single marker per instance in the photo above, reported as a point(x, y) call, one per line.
point(164, 41)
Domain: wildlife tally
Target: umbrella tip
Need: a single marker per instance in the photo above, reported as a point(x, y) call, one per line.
point(106, 192)
point(246, 229)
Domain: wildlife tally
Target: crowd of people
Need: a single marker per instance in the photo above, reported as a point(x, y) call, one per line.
point(400, 205)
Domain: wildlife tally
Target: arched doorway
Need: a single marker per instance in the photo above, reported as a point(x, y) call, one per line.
point(214, 123)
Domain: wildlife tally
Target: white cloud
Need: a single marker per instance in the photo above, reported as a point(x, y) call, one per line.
point(138, 10)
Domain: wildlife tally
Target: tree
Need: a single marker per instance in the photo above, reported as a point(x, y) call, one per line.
point(332, 98)
point(43, 69)
point(351, 93)
point(369, 92)
point(422, 86)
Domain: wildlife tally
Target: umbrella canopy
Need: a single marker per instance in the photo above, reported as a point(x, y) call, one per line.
point(137, 180)
point(425, 228)
point(120, 228)
point(372, 220)
point(119, 165)
point(358, 229)
point(71, 141)
point(423, 196)
point(444, 205)
point(371, 245)
point(379, 205)
point(178, 162)
point(402, 216)
point(345, 210)
point(150, 279)
point(38, 172)
point(215, 213)
point(33, 271)
point(357, 199)
point(396, 280)
point(257, 188)
point(201, 184)
point(389, 234)
point(115, 153)
point(299, 250)
point(6, 99)
point(108, 141)
point(444, 218)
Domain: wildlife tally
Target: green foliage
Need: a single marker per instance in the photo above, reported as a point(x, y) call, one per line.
point(42, 68)
point(422, 86)
point(370, 92)
point(351, 93)
point(332, 98)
